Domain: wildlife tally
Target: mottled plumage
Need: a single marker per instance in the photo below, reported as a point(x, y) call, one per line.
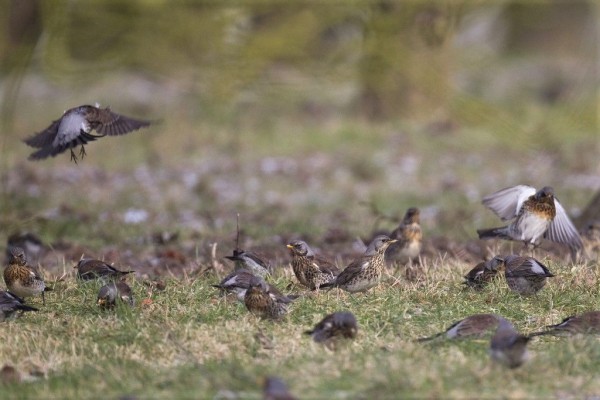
point(335, 326)
point(409, 238)
point(586, 323)
point(525, 275)
point(474, 326)
point(22, 280)
point(507, 346)
point(74, 129)
point(261, 300)
point(9, 304)
point(535, 215)
point(365, 272)
point(88, 269)
point(108, 295)
point(31, 244)
point(251, 261)
point(483, 273)
point(276, 389)
point(310, 269)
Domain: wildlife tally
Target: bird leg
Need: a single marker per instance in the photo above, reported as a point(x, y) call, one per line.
point(73, 156)
point(43, 296)
point(82, 152)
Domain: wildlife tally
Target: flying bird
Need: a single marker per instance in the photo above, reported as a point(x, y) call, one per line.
point(74, 129)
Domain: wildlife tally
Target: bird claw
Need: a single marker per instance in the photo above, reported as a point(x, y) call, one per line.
point(73, 156)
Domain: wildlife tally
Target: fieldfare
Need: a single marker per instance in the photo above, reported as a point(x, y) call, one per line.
point(251, 261)
point(22, 280)
point(261, 300)
point(536, 214)
point(508, 347)
point(276, 389)
point(89, 268)
point(236, 282)
point(110, 294)
point(336, 326)
point(9, 304)
point(525, 275)
point(483, 273)
point(588, 322)
point(364, 272)
point(312, 270)
point(474, 326)
point(74, 129)
point(409, 236)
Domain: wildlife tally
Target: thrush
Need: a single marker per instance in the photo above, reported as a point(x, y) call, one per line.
point(525, 275)
point(261, 300)
point(89, 268)
point(74, 129)
point(335, 326)
point(473, 326)
point(251, 261)
point(409, 239)
point(21, 280)
point(586, 323)
point(311, 270)
point(114, 292)
point(483, 273)
point(365, 272)
point(276, 389)
point(9, 304)
point(507, 346)
point(236, 282)
point(535, 215)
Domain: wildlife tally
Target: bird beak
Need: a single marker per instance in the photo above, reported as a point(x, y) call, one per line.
point(393, 240)
point(289, 246)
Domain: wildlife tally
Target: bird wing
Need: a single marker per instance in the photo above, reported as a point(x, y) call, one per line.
point(45, 137)
point(507, 202)
point(528, 267)
point(562, 230)
point(326, 266)
point(350, 271)
point(113, 124)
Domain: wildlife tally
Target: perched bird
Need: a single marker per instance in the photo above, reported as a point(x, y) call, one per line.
point(251, 261)
point(586, 323)
point(364, 272)
point(311, 269)
point(474, 326)
point(74, 127)
point(9, 304)
point(262, 301)
point(336, 326)
point(236, 282)
point(483, 273)
point(276, 389)
point(409, 236)
point(108, 295)
point(525, 275)
point(21, 280)
point(89, 268)
point(508, 347)
point(536, 214)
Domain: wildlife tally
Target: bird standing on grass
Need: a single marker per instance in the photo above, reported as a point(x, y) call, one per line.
point(236, 282)
point(586, 323)
point(409, 236)
point(473, 326)
point(365, 272)
point(535, 215)
point(22, 280)
point(332, 328)
point(507, 346)
point(110, 294)
point(251, 261)
point(9, 304)
point(525, 275)
point(483, 273)
point(310, 269)
point(261, 300)
point(88, 269)
point(74, 129)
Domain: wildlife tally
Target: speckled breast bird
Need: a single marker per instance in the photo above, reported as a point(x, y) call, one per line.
point(365, 272)
point(507, 346)
point(276, 389)
point(236, 282)
point(586, 323)
point(311, 270)
point(335, 326)
point(89, 268)
point(74, 129)
point(22, 280)
point(409, 238)
point(10, 304)
point(251, 261)
point(536, 214)
point(525, 275)
point(262, 301)
point(483, 273)
point(110, 294)
point(474, 326)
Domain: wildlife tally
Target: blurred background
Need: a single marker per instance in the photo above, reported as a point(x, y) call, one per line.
point(312, 120)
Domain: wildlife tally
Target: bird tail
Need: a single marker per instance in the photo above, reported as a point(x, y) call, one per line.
point(541, 333)
point(218, 287)
point(48, 289)
point(501, 232)
point(24, 307)
point(328, 285)
point(429, 338)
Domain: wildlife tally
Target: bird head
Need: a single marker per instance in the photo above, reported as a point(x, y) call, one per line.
point(300, 248)
point(17, 256)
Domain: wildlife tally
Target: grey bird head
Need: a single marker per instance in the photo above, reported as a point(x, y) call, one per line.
point(258, 283)
point(545, 192)
point(300, 248)
point(17, 256)
point(378, 245)
point(494, 264)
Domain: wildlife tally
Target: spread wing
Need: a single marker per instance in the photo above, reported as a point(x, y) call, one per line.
point(562, 230)
point(113, 124)
point(507, 202)
point(45, 137)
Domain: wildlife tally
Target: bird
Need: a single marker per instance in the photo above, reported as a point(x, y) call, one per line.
point(365, 272)
point(74, 129)
point(525, 275)
point(114, 292)
point(483, 273)
point(21, 280)
point(507, 346)
point(535, 214)
point(236, 282)
point(276, 389)
point(89, 268)
point(311, 270)
point(473, 326)
point(591, 240)
point(586, 323)
point(31, 244)
point(262, 301)
point(251, 261)
point(409, 236)
point(9, 304)
point(333, 327)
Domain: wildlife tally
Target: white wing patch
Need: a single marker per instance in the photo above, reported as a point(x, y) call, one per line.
point(70, 128)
